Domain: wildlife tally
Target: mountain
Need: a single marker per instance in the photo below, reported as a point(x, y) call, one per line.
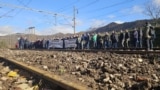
point(117, 27)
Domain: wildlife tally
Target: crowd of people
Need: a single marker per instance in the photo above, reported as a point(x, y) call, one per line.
point(136, 38)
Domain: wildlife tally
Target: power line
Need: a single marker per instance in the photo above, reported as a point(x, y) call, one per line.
point(70, 5)
point(115, 11)
point(5, 14)
point(15, 9)
point(89, 4)
point(26, 5)
point(34, 10)
point(113, 5)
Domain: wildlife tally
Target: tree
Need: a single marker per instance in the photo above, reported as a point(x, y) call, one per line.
point(153, 10)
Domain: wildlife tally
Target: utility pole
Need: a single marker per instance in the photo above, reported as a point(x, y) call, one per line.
point(75, 11)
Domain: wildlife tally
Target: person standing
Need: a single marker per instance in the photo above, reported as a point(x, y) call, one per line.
point(95, 40)
point(147, 35)
point(88, 39)
point(114, 39)
point(106, 39)
point(21, 43)
point(127, 38)
point(83, 41)
point(140, 37)
point(135, 38)
point(79, 42)
point(153, 36)
point(122, 39)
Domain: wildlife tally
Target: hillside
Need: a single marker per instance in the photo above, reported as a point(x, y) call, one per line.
point(124, 26)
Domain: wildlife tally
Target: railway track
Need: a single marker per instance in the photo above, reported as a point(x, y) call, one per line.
point(55, 82)
point(69, 60)
point(118, 51)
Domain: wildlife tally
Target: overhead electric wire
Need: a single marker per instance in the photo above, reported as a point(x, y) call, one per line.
point(34, 10)
point(70, 24)
point(89, 4)
point(5, 14)
point(26, 5)
point(113, 5)
point(70, 5)
point(15, 9)
point(115, 11)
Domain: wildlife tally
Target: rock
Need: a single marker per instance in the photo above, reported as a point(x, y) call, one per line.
point(85, 64)
point(23, 86)
point(154, 76)
point(140, 59)
point(53, 56)
point(113, 89)
point(5, 70)
point(112, 76)
point(141, 78)
point(101, 64)
point(4, 78)
point(120, 65)
point(1, 88)
point(82, 70)
point(45, 67)
point(107, 69)
point(80, 79)
point(21, 80)
point(78, 73)
point(100, 58)
point(73, 73)
point(1, 83)
point(121, 84)
point(30, 82)
point(36, 87)
point(106, 79)
point(110, 82)
point(117, 75)
point(77, 67)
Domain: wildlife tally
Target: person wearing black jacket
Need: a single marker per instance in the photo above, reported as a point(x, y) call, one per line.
point(114, 39)
point(122, 39)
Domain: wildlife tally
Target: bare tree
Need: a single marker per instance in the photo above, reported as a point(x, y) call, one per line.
point(152, 10)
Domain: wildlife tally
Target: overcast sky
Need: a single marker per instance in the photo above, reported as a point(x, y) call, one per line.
point(18, 15)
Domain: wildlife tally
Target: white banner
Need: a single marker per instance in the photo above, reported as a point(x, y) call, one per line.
point(70, 43)
point(56, 44)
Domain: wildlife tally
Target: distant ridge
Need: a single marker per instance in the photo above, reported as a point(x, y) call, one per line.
point(117, 27)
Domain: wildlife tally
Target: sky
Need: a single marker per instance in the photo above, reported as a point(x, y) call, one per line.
point(54, 16)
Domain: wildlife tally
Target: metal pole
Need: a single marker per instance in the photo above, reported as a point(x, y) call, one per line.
point(74, 19)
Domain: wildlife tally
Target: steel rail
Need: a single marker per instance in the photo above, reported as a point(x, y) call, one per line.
point(118, 51)
point(57, 80)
